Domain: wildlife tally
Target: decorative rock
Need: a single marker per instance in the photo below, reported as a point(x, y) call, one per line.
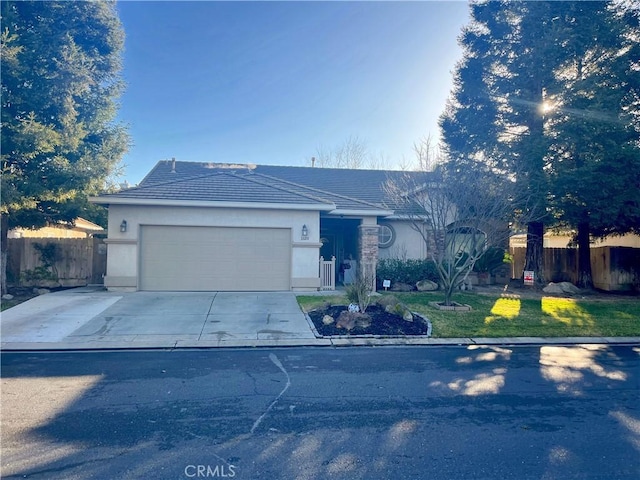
point(407, 316)
point(328, 320)
point(350, 320)
point(570, 288)
point(553, 288)
point(562, 287)
point(353, 307)
point(41, 291)
point(401, 287)
point(387, 300)
point(426, 286)
point(7, 296)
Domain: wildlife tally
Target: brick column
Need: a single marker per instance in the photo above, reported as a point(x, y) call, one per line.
point(368, 245)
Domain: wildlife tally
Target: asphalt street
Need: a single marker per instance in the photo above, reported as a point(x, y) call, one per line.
point(536, 412)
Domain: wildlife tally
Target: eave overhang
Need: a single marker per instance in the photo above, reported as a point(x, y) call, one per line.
point(108, 200)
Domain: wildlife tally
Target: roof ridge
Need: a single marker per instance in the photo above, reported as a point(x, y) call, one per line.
point(169, 182)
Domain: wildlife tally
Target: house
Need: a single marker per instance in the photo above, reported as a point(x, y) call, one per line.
point(81, 228)
point(566, 239)
point(214, 227)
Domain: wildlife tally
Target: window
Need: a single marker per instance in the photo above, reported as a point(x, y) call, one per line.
point(386, 236)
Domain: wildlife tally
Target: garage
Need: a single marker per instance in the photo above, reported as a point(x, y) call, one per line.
point(179, 258)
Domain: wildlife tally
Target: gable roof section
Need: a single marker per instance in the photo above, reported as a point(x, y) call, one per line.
point(216, 188)
point(365, 186)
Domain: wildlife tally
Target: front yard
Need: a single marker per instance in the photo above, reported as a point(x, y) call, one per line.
point(512, 315)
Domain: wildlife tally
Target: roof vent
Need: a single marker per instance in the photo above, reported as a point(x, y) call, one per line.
point(173, 165)
point(313, 162)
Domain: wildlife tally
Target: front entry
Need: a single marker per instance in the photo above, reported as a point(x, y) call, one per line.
point(339, 237)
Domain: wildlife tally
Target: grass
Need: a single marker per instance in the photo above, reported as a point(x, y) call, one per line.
point(496, 316)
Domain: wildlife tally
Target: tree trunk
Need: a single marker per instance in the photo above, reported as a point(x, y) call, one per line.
point(535, 251)
point(4, 230)
point(448, 294)
point(585, 277)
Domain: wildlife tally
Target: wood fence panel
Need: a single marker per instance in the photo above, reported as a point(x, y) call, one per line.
point(73, 267)
point(612, 268)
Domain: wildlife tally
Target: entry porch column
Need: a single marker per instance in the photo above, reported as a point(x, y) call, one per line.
point(368, 246)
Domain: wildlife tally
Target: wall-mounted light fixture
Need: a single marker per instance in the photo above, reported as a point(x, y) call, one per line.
point(305, 232)
point(123, 226)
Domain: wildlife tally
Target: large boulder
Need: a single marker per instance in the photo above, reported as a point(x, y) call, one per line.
point(401, 287)
point(385, 300)
point(426, 286)
point(570, 288)
point(401, 310)
point(561, 288)
point(350, 320)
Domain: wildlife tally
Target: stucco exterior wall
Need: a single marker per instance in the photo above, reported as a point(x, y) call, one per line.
point(124, 247)
point(408, 244)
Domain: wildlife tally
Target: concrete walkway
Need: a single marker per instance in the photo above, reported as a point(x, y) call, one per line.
point(92, 318)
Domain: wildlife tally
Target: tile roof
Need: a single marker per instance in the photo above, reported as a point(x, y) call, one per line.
point(347, 188)
point(220, 186)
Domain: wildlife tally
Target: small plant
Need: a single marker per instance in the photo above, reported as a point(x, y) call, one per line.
point(38, 274)
point(50, 254)
point(360, 291)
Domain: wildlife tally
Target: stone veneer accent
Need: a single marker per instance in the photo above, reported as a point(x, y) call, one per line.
point(368, 243)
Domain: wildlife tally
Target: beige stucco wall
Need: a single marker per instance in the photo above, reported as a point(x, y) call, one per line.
point(123, 247)
point(409, 243)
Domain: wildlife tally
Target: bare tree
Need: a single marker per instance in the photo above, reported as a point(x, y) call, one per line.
point(460, 214)
point(353, 153)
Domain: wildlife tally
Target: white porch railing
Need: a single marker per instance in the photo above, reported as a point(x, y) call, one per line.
point(327, 274)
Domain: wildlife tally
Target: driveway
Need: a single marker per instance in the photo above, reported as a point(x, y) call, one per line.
point(93, 318)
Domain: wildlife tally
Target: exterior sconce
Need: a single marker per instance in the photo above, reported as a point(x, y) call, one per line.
point(123, 226)
point(305, 232)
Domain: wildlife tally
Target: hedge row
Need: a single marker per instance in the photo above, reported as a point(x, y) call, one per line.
point(406, 271)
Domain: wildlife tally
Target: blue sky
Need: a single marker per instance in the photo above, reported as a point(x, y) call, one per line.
point(272, 82)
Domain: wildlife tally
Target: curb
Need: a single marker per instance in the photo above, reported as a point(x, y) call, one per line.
point(369, 341)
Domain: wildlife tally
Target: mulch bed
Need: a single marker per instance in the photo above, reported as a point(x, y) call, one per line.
point(382, 323)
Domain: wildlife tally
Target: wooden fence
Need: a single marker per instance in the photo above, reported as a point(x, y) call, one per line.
point(613, 268)
point(77, 262)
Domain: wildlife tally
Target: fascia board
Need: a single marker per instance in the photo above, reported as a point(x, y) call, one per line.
point(325, 207)
point(362, 213)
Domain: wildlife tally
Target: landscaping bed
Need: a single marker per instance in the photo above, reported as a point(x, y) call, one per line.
point(378, 323)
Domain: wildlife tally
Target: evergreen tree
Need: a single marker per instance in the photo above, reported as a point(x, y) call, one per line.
point(61, 65)
point(595, 158)
point(515, 106)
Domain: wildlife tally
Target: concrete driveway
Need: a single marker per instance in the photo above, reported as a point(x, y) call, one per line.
point(94, 318)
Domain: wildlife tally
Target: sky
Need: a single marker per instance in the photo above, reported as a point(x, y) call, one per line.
point(276, 82)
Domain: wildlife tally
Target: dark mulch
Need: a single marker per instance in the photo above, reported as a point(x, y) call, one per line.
point(382, 323)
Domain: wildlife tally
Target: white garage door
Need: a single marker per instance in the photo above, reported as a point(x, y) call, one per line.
point(215, 258)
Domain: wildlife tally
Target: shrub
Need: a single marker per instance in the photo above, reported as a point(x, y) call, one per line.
point(493, 258)
point(406, 271)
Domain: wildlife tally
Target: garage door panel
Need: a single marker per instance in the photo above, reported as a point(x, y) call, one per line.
point(215, 258)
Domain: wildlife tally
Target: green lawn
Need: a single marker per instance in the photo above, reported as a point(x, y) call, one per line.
point(494, 316)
